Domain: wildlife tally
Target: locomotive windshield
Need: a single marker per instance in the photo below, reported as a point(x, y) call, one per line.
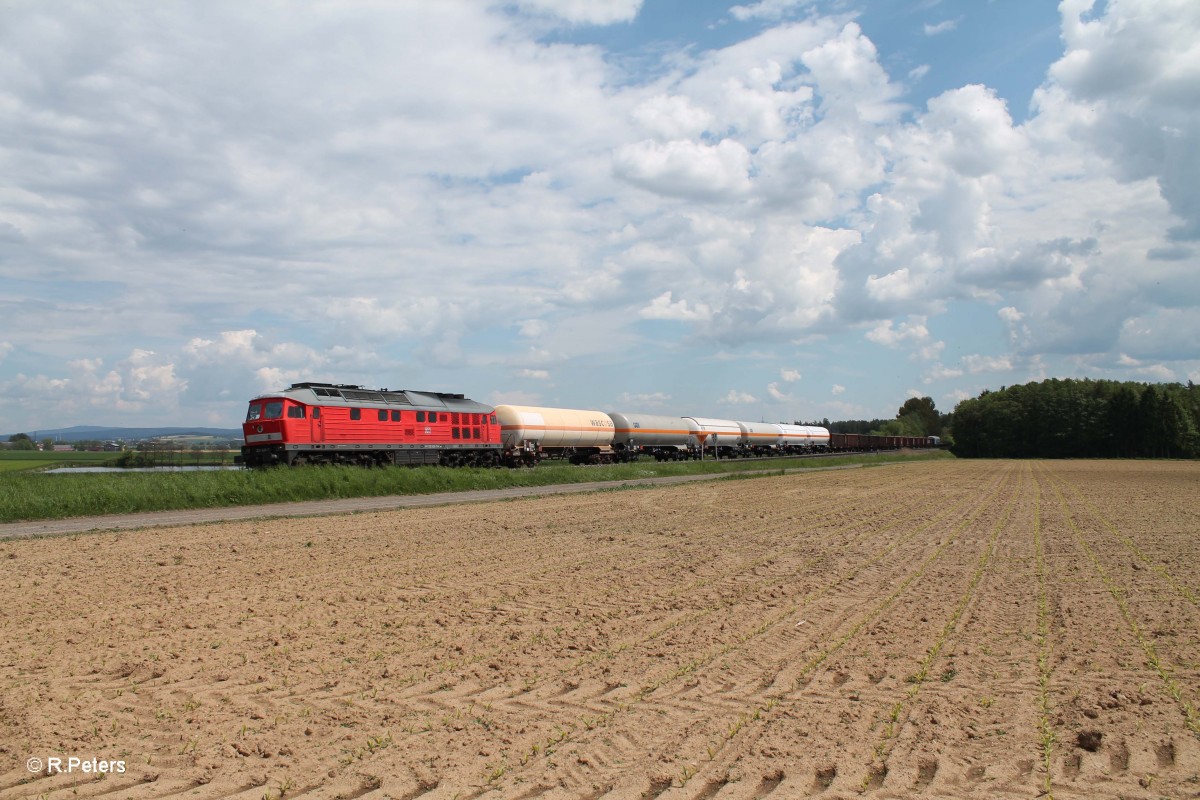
point(271, 410)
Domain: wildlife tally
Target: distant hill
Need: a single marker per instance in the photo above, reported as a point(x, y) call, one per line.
point(88, 432)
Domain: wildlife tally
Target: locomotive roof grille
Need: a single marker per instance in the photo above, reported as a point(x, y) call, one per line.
point(354, 392)
point(396, 397)
point(313, 385)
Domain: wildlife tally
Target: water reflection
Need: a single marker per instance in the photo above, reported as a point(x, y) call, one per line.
point(79, 470)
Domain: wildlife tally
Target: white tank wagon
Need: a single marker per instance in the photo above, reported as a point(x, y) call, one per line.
point(720, 436)
point(665, 438)
point(804, 437)
point(760, 437)
point(528, 433)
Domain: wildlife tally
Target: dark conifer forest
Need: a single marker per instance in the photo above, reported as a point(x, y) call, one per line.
point(1080, 419)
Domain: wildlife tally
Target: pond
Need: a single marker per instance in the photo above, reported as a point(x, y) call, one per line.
point(81, 470)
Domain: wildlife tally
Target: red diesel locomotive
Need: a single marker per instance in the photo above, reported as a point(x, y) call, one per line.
point(326, 423)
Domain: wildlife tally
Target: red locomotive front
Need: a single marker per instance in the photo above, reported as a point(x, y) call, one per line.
point(334, 423)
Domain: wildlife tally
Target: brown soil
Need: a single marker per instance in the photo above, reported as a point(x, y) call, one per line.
point(941, 629)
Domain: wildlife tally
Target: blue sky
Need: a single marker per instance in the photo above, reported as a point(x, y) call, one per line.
point(779, 210)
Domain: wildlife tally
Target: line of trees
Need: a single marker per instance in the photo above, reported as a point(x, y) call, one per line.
point(23, 441)
point(1080, 419)
point(917, 417)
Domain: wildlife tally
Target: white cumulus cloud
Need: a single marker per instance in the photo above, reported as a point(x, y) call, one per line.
point(686, 169)
point(737, 398)
point(768, 9)
point(585, 12)
point(663, 307)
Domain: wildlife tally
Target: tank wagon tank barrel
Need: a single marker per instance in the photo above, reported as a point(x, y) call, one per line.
point(720, 437)
point(529, 432)
point(665, 438)
point(760, 438)
point(801, 438)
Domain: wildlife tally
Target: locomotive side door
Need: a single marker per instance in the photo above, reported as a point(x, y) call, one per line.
point(318, 424)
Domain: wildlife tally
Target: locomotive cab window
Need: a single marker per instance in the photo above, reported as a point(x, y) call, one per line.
point(316, 412)
point(273, 410)
point(295, 412)
point(255, 412)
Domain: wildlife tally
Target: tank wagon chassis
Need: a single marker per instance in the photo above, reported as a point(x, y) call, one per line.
point(326, 423)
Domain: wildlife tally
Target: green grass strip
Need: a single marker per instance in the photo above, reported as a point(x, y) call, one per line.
point(34, 497)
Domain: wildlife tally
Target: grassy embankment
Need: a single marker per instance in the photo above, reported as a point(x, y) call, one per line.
point(25, 496)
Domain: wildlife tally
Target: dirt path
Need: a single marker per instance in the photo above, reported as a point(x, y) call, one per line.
point(969, 629)
point(10, 530)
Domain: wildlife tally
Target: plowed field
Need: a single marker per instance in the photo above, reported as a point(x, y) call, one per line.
point(935, 629)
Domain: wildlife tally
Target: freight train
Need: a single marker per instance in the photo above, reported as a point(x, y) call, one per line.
point(327, 423)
